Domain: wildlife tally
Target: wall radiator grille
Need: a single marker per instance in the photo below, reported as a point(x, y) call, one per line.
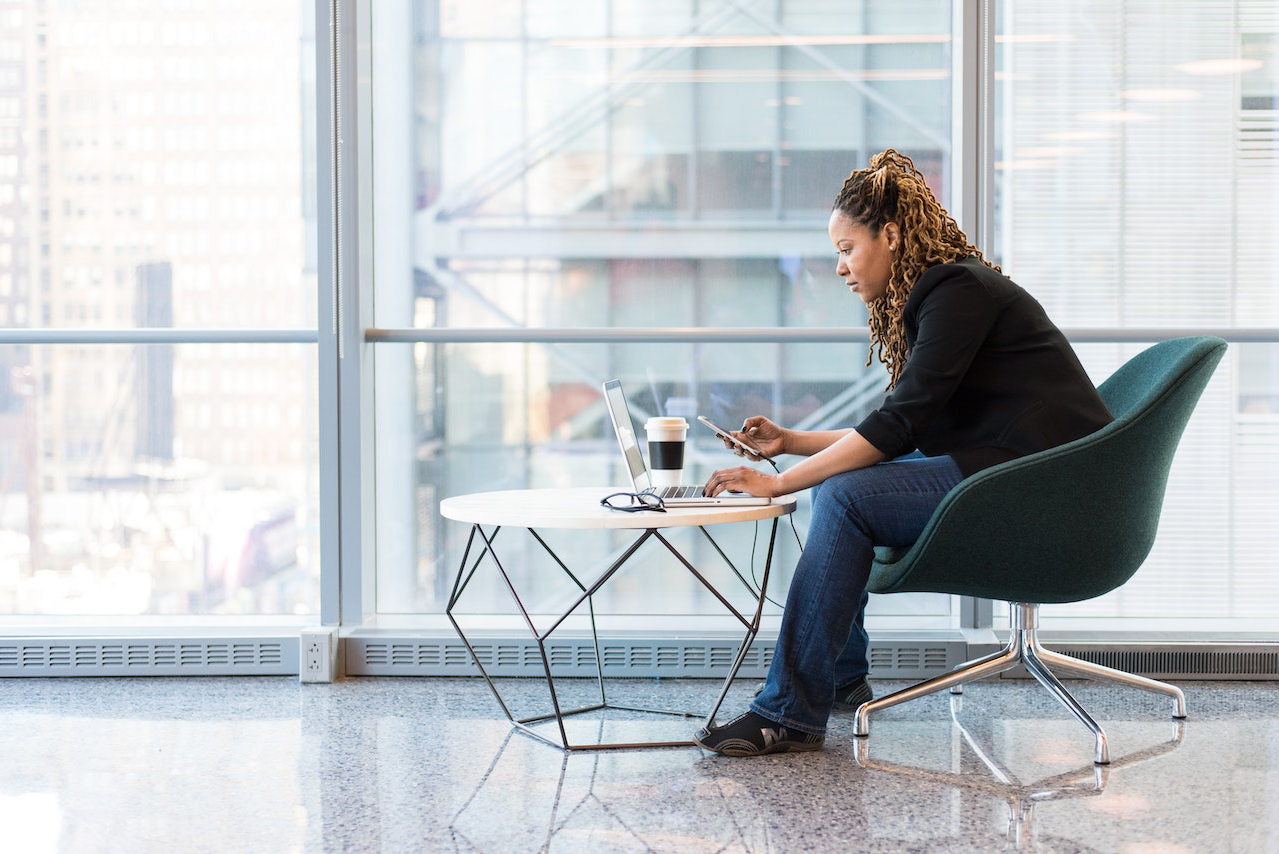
point(640, 657)
point(148, 657)
point(634, 657)
point(1189, 661)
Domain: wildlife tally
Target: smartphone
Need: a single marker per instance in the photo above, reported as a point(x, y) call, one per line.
point(724, 434)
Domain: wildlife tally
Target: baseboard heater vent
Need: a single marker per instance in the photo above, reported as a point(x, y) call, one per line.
point(1177, 661)
point(639, 657)
point(149, 657)
point(629, 657)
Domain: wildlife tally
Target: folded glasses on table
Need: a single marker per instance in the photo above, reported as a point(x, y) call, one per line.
point(633, 502)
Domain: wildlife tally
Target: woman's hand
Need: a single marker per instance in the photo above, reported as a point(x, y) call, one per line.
point(759, 432)
point(743, 479)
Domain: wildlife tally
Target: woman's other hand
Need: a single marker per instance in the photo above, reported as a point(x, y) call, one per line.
point(743, 479)
point(759, 432)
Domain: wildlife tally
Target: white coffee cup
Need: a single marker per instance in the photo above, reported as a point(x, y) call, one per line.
point(666, 438)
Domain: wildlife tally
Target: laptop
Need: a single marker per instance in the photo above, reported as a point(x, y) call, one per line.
point(672, 496)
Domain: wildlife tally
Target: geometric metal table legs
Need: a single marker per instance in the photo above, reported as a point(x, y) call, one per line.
point(467, 569)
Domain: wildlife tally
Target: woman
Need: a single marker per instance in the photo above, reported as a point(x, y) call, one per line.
point(978, 375)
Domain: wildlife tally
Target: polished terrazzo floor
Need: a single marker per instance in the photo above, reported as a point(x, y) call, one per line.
point(404, 765)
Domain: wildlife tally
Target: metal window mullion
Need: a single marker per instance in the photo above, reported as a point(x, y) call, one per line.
point(358, 579)
point(326, 307)
point(973, 169)
point(340, 342)
point(973, 120)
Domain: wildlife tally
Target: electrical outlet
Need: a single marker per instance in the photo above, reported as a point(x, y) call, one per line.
point(318, 648)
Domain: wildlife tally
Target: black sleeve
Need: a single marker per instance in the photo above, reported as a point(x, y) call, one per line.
point(954, 312)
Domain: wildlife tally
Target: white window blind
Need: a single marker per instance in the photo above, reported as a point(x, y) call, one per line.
point(1138, 173)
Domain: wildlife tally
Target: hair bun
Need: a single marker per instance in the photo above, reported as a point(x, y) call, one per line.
point(890, 158)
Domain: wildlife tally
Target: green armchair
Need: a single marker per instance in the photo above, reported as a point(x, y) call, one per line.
point(1063, 525)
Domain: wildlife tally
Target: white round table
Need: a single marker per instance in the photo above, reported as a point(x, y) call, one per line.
point(580, 508)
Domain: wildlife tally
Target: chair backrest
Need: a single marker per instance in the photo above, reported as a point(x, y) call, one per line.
point(1072, 522)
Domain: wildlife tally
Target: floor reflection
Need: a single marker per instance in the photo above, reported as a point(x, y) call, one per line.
point(1021, 797)
point(408, 765)
point(600, 801)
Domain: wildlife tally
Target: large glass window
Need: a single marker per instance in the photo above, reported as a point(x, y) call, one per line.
point(628, 164)
point(157, 172)
point(1137, 182)
point(538, 165)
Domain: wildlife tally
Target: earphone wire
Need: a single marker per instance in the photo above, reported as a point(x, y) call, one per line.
point(754, 577)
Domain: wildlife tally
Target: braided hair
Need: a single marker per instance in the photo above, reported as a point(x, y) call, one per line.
point(893, 190)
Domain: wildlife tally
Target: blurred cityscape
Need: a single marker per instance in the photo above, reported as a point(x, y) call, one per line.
point(155, 171)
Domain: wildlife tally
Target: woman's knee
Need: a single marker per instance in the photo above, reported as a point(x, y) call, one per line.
point(842, 491)
point(838, 506)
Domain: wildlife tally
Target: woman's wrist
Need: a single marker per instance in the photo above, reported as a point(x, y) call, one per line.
point(787, 440)
point(795, 479)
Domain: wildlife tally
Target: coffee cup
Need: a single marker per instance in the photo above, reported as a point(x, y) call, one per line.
point(666, 438)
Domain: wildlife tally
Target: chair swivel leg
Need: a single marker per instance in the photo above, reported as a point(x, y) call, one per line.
point(958, 688)
point(1045, 677)
point(1079, 667)
point(1024, 648)
point(982, 667)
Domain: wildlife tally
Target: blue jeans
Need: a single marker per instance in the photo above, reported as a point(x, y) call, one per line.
point(822, 643)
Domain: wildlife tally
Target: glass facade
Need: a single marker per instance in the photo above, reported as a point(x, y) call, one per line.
point(590, 166)
point(633, 169)
point(676, 171)
point(159, 180)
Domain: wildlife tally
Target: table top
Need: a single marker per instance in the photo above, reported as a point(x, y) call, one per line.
point(579, 507)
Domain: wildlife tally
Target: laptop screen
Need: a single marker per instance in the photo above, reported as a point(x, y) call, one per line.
point(624, 427)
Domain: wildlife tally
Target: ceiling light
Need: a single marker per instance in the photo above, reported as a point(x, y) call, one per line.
point(1079, 135)
point(1116, 116)
point(1164, 94)
point(1219, 66)
point(1031, 163)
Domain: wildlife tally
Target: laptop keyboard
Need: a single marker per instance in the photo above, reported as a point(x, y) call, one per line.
point(679, 492)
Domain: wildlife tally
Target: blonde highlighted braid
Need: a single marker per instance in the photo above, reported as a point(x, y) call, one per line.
point(893, 190)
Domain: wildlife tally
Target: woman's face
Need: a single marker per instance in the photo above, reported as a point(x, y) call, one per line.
point(865, 262)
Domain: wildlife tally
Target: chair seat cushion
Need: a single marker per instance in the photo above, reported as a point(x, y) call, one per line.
point(889, 555)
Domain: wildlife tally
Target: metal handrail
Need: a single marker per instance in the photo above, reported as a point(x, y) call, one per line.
point(579, 335)
point(766, 335)
point(167, 335)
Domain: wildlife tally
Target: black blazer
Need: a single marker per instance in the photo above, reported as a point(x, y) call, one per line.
point(988, 377)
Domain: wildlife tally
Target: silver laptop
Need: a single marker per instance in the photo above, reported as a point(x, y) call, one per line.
point(673, 496)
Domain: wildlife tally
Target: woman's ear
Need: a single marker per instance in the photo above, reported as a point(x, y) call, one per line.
point(894, 235)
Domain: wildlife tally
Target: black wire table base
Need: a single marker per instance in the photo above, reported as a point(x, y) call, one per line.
point(466, 572)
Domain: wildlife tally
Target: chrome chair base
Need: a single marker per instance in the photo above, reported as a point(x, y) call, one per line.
point(1023, 648)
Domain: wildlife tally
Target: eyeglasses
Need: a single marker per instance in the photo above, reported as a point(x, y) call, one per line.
point(633, 502)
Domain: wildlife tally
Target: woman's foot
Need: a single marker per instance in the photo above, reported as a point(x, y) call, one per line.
point(852, 695)
point(753, 735)
point(848, 697)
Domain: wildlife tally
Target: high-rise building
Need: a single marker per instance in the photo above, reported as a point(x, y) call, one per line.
point(151, 174)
